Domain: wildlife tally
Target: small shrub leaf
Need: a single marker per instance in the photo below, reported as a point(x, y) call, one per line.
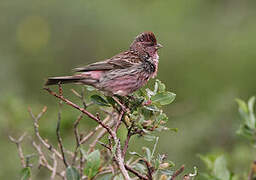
point(25, 173)
point(93, 164)
point(220, 168)
point(163, 98)
point(72, 173)
point(99, 100)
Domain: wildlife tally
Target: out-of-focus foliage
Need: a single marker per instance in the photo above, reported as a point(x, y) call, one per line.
point(248, 126)
point(208, 59)
point(217, 164)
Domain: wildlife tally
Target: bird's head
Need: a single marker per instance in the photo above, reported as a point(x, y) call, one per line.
point(145, 45)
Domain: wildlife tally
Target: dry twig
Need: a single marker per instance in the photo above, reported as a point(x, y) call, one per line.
point(18, 144)
point(178, 172)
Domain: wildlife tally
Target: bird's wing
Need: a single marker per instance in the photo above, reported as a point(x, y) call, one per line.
point(121, 61)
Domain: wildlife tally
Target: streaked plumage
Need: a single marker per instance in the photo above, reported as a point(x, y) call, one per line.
point(122, 74)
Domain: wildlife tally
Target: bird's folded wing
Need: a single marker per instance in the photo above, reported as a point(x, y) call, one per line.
point(120, 61)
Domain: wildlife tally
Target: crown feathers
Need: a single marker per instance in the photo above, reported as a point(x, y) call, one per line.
point(146, 37)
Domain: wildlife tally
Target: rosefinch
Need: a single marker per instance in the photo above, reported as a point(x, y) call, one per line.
point(122, 74)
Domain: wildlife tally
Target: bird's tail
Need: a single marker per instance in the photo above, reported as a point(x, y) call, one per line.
point(63, 80)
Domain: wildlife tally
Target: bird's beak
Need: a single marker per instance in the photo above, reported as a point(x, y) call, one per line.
point(158, 46)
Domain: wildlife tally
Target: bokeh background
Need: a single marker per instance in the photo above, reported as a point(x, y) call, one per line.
point(208, 60)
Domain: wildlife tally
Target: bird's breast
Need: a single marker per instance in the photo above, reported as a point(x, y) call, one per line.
point(150, 66)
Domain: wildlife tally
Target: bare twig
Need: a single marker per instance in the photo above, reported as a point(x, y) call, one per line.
point(18, 144)
point(120, 104)
point(60, 140)
point(178, 172)
point(80, 109)
point(43, 161)
point(150, 169)
point(36, 126)
point(77, 137)
point(100, 135)
point(140, 176)
point(252, 171)
point(118, 123)
point(120, 160)
point(54, 166)
point(126, 143)
point(90, 134)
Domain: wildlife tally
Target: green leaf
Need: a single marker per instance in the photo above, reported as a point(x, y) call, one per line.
point(157, 163)
point(160, 85)
point(208, 161)
point(161, 117)
point(106, 177)
point(251, 103)
point(242, 105)
point(90, 88)
point(167, 172)
point(25, 173)
point(149, 137)
point(163, 98)
point(72, 173)
point(135, 153)
point(84, 153)
point(139, 167)
point(152, 108)
point(111, 101)
point(93, 164)
point(174, 129)
point(148, 153)
point(247, 112)
point(220, 168)
point(118, 177)
point(99, 100)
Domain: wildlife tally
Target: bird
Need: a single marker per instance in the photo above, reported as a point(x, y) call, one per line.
point(122, 74)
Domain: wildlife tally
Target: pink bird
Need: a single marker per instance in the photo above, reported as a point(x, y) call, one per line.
point(122, 74)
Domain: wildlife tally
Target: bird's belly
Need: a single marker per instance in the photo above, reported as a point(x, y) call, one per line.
point(125, 84)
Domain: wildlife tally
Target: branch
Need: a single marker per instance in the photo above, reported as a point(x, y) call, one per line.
point(118, 123)
point(252, 171)
point(80, 109)
point(135, 172)
point(100, 135)
point(43, 162)
point(178, 172)
point(18, 144)
point(149, 168)
point(77, 137)
point(60, 140)
point(120, 160)
point(89, 135)
point(118, 156)
point(54, 166)
point(36, 126)
point(126, 143)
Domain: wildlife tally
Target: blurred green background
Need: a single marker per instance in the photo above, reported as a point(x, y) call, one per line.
point(208, 60)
